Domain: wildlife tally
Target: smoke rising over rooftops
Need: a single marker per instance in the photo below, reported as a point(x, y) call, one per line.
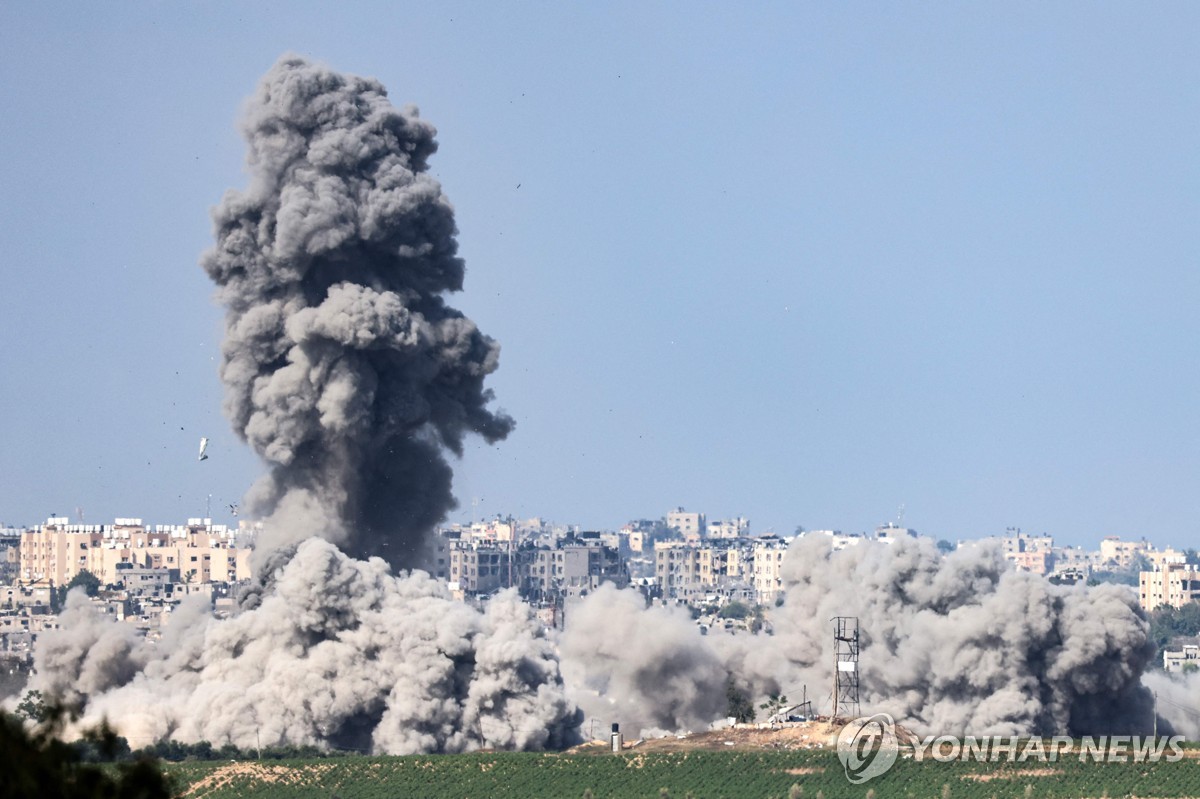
point(348, 373)
point(345, 369)
point(343, 365)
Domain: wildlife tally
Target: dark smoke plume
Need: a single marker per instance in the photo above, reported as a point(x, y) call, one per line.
point(347, 372)
point(344, 368)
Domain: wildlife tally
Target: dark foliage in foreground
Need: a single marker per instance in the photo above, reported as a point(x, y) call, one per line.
point(38, 763)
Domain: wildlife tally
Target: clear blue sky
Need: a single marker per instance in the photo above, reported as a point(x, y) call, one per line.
point(800, 262)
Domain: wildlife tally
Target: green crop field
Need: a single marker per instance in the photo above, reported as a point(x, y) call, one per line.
point(703, 775)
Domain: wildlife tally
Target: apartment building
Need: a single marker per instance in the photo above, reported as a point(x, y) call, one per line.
point(569, 569)
point(10, 555)
point(1015, 542)
point(1172, 584)
point(768, 557)
point(839, 539)
point(1187, 658)
point(688, 525)
point(890, 533)
point(1118, 554)
point(479, 570)
point(57, 551)
point(1161, 557)
point(728, 528)
point(677, 569)
point(1037, 561)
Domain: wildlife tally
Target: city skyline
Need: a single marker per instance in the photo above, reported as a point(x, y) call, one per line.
point(927, 257)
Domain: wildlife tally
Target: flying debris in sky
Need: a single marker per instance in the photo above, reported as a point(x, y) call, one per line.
point(203, 450)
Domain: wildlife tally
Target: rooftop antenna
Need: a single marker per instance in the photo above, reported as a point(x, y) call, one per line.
point(845, 666)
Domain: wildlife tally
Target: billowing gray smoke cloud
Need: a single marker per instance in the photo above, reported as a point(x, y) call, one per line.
point(965, 643)
point(1178, 696)
point(340, 652)
point(646, 668)
point(960, 644)
point(343, 366)
point(347, 372)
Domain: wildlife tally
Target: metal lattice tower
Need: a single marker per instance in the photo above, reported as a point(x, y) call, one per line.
point(845, 667)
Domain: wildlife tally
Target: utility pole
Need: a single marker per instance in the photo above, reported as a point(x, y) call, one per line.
point(1156, 717)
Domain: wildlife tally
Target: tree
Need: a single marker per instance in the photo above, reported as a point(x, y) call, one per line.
point(1168, 623)
point(759, 621)
point(89, 582)
point(735, 610)
point(774, 704)
point(739, 707)
point(1140, 563)
point(945, 546)
point(33, 707)
point(37, 763)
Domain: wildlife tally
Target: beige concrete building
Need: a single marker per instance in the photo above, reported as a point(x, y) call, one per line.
point(479, 569)
point(1160, 557)
point(1172, 584)
point(201, 552)
point(637, 541)
point(1037, 561)
point(1120, 554)
point(688, 525)
point(728, 528)
point(768, 564)
point(839, 539)
point(10, 555)
point(677, 568)
point(683, 571)
point(739, 564)
point(1015, 541)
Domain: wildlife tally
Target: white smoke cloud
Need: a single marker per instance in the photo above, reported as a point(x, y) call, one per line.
point(950, 645)
point(340, 652)
point(646, 668)
point(1178, 701)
